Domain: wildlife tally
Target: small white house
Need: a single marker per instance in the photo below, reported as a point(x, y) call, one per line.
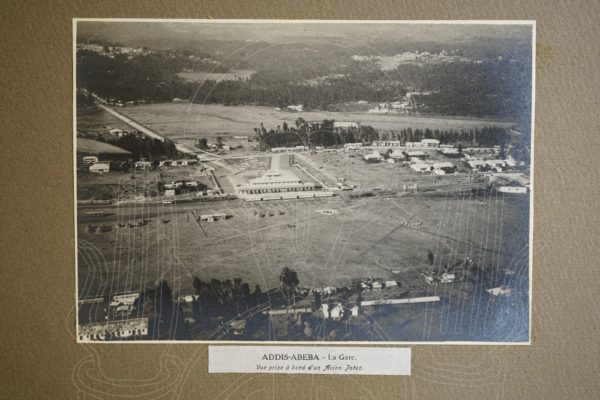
point(391, 284)
point(142, 164)
point(116, 132)
point(430, 143)
point(447, 278)
point(500, 291)
point(99, 168)
point(329, 290)
point(337, 312)
point(396, 154)
point(442, 168)
point(513, 189)
point(476, 164)
point(90, 160)
point(421, 167)
point(213, 217)
point(375, 156)
point(495, 163)
point(418, 154)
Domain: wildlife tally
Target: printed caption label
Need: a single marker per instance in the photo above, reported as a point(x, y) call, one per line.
point(309, 360)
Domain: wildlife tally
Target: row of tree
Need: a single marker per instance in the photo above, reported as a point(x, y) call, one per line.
point(500, 88)
point(326, 134)
point(142, 146)
point(313, 134)
point(486, 136)
point(227, 297)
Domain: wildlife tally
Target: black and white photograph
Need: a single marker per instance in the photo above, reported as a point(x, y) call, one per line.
point(303, 181)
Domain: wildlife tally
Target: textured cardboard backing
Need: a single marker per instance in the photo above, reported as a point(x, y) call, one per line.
point(39, 356)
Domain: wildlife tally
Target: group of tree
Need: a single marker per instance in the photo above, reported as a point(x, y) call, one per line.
point(493, 87)
point(227, 297)
point(142, 146)
point(313, 134)
point(150, 77)
point(164, 320)
point(326, 134)
point(486, 136)
point(289, 281)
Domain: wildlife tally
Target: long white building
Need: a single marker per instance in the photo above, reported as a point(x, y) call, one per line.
point(279, 185)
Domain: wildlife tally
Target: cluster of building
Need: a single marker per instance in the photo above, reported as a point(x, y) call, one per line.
point(415, 58)
point(291, 108)
point(438, 168)
point(496, 165)
point(116, 320)
point(279, 185)
point(295, 149)
point(338, 311)
point(391, 107)
point(374, 156)
point(111, 51)
point(95, 156)
point(213, 217)
point(94, 165)
point(510, 182)
point(445, 277)
point(425, 143)
point(176, 163)
point(353, 146)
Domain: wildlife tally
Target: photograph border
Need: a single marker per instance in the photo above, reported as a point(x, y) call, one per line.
point(531, 23)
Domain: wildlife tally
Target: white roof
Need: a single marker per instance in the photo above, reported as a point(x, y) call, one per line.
point(443, 165)
point(475, 162)
point(494, 162)
point(498, 291)
point(416, 153)
point(100, 166)
point(430, 141)
point(344, 124)
point(275, 176)
point(420, 166)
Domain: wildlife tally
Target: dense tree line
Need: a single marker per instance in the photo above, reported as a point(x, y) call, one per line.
point(164, 323)
point(497, 88)
point(149, 77)
point(493, 87)
point(485, 137)
point(142, 146)
point(313, 134)
point(326, 134)
point(223, 298)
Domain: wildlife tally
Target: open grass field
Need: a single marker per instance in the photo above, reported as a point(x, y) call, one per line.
point(367, 238)
point(366, 176)
point(180, 120)
point(97, 120)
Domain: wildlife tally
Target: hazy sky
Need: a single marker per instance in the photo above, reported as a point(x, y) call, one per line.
point(124, 32)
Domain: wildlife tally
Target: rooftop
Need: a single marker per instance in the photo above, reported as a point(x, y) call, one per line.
point(275, 176)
